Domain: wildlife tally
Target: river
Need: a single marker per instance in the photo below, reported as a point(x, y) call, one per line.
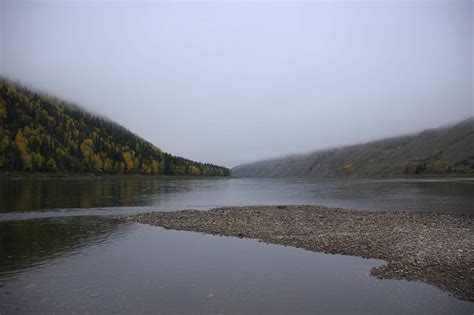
point(61, 251)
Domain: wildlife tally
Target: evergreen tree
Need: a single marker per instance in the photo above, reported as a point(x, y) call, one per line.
point(41, 133)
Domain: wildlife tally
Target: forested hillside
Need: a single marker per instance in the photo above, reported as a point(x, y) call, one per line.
point(447, 150)
point(39, 133)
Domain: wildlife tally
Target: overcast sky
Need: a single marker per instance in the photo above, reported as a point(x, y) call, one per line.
point(238, 81)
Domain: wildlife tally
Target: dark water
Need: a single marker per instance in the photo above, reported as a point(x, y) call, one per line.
point(61, 252)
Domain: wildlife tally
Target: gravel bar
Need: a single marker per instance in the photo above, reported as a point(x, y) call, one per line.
point(428, 247)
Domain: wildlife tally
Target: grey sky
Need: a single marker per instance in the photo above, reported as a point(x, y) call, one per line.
point(233, 82)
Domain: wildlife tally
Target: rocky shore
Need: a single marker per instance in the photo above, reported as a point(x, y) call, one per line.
point(433, 248)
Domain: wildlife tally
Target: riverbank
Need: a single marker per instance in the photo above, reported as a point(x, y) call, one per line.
point(62, 175)
point(432, 248)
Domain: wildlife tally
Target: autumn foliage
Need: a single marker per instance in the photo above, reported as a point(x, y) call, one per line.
point(39, 133)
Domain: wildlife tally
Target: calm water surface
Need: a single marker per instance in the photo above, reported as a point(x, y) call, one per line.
point(113, 195)
point(62, 252)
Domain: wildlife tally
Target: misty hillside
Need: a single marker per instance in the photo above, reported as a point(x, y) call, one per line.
point(39, 133)
point(446, 150)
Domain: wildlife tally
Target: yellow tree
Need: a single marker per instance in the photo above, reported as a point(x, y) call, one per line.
point(127, 157)
point(22, 146)
point(146, 168)
point(38, 160)
point(108, 165)
point(51, 165)
point(347, 169)
point(193, 170)
point(87, 149)
point(96, 162)
point(154, 167)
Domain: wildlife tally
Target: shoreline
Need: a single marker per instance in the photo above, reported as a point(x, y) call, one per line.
point(433, 248)
point(67, 175)
point(59, 175)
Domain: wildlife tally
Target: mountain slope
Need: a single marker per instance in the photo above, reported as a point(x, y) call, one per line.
point(41, 133)
point(442, 150)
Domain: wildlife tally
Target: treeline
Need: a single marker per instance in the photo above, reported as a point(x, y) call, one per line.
point(435, 165)
point(40, 133)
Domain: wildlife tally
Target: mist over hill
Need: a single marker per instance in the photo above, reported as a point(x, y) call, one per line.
point(444, 150)
point(40, 133)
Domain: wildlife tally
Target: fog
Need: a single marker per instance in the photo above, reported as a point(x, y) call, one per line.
point(236, 81)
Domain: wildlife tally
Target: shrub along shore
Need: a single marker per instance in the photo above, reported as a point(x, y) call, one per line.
point(428, 247)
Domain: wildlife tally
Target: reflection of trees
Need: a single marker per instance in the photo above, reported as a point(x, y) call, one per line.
point(37, 194)
point(450, 188)
point(35, 242)
point(32, 242)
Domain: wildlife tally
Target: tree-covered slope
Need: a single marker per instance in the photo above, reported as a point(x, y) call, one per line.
point(447, 150)
point(41, 133)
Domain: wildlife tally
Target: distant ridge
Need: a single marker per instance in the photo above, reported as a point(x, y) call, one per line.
point(445, 150)
point(40, 133)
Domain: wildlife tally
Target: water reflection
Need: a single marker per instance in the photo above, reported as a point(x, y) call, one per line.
point(462, 189)
point(65, 263)
point(34, 194)
point(40, 194)
point(153, 270)
point(28, 243)
point(446, 195)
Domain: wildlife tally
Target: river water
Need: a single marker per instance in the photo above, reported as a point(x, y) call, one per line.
point(61, 251)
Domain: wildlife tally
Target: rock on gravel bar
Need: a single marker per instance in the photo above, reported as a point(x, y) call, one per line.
point(429, 247)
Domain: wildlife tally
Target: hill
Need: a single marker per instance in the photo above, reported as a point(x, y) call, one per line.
point(446, 150)
point(40, 133)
